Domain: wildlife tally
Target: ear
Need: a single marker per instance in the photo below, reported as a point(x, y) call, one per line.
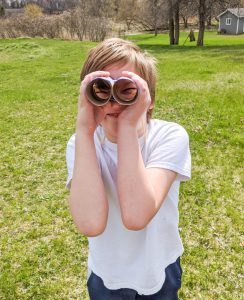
point(151, 106)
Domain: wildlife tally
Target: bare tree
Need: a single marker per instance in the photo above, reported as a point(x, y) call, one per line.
point(205, 13)
point(174, 21)
point(77, 23)
point(188, 8)
point(128, 12)
point(171, 23)
point(177, 21)
point(214, 8)
point(202, 16)
point(155, 16)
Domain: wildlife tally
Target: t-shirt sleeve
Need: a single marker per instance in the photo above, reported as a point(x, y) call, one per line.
point(171, 151)
point(70, 158)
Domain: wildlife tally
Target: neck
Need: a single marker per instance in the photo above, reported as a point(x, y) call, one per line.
point(113, 137)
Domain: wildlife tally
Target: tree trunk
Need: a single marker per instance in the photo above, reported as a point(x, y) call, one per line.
point(209, 21)
point(128, 23)
point(185, 20)
point(171, 23)
point(202, 14)
point(155, 25)
point(155, 15)
point(155, 31)
point(177, 21)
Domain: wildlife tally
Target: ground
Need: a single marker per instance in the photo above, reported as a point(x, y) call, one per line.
point(42, 254)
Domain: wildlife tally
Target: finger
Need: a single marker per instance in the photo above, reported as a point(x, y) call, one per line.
point(99, 113)
point(131, 75)
point(143, 90)
point(95, 74)
point(140, 82)
point(89, 77)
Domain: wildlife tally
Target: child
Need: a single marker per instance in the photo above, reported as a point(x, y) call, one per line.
point(126, 170)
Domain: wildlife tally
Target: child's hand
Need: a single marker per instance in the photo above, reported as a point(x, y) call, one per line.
point(89, 116)
point(133, 113)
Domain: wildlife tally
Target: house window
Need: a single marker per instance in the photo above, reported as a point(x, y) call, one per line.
point(228, 21)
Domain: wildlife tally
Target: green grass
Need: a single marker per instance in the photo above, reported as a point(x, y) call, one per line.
point(42, 256)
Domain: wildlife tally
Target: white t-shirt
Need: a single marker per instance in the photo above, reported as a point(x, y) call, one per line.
point(137, 259)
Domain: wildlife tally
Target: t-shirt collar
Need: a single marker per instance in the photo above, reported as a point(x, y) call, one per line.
point(114, 146)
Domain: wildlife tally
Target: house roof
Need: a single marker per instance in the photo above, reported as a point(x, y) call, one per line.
point(239, 12)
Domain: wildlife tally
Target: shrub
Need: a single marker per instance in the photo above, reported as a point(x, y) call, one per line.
point(33, 10)
point(222, 31)
point(74, 24)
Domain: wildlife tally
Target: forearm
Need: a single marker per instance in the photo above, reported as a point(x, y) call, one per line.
point(136, 193)
point(88, 202)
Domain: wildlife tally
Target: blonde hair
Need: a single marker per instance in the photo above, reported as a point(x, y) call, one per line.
point(116, 50)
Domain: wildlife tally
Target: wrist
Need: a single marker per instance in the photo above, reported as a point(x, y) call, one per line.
point(85, 131)
point(127, 129)
point(124, 124)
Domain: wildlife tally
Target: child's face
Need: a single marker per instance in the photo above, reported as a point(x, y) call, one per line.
point(110, 122)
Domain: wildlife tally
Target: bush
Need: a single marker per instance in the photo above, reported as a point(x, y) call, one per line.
point(70, 25)
point(33, 10)
point(2, 11)
point(222, 31)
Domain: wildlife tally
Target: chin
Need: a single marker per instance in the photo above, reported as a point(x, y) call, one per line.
point(110, 126)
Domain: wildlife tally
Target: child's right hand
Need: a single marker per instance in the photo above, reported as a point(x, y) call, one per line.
point(89, 116)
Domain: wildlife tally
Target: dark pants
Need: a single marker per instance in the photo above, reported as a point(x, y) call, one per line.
point(169, 290)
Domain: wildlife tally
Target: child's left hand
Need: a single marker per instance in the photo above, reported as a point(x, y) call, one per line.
point(133, 113)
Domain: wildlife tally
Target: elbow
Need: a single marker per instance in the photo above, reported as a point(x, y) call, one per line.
point(134, 226)
point(90, 230)
point(138, 218)
point(134, 223)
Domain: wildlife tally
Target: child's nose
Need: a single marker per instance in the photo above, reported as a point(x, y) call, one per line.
point(114, 105)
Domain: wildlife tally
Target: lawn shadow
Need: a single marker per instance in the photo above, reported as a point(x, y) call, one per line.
point(235, 52)
point(159, 48)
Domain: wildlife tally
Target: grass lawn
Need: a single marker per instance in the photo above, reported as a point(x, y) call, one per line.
point(42, 256)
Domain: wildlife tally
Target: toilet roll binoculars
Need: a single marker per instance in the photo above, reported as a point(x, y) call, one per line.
point(101, 90)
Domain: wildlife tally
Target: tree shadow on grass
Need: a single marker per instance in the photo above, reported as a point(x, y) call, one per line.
point(180, 48)
point(236, 52)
